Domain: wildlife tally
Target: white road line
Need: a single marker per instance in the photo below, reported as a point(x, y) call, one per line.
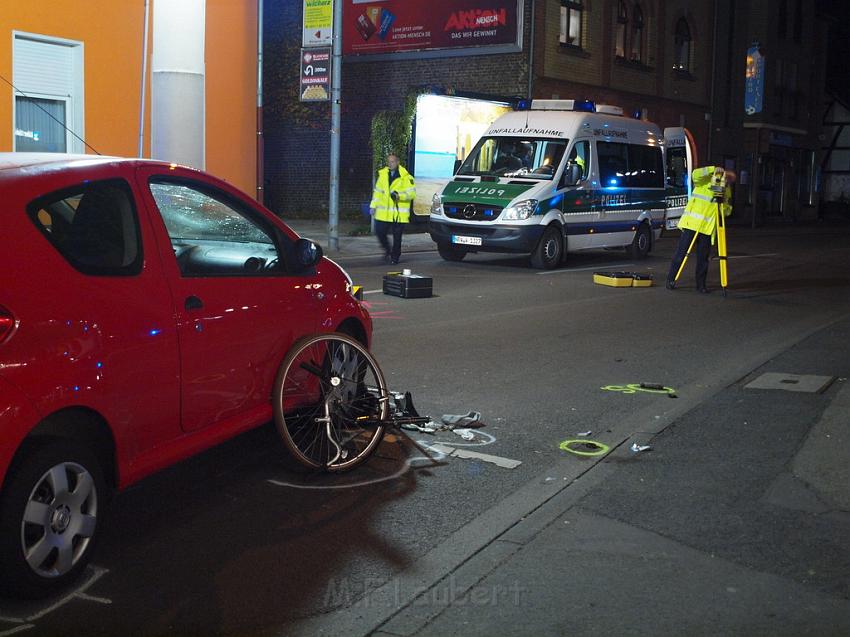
point(372, 291)
point(753, 256)
point(595, 267)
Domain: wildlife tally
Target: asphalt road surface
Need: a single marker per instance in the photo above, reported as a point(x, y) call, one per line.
point(232, 543)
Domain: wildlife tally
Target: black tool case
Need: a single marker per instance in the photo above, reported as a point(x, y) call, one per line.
point(408, 286)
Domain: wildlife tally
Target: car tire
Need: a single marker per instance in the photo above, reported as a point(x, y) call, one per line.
point(451, 253)
point(51, 511)
point(549, 251)
point(642, 243)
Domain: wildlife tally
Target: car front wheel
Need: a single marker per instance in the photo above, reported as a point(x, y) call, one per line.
point(50, 515)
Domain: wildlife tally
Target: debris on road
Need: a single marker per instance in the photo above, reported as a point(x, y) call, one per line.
point(465, 421)
point(636, 448)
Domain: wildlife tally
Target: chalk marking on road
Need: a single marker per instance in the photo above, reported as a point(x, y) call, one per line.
point(600, 448)
point(633, 388)
point(92, 598)
point(595, 267)
point(488, 439)
point(506, 463)
point(408, 464)
point(16, 629)
point(98, 572)
point(430, 445)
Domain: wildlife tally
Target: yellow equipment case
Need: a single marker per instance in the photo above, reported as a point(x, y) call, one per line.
point(623, 279)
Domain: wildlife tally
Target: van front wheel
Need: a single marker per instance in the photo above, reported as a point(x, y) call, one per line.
point(642, 243)
point(549, 251)
point(450, 252)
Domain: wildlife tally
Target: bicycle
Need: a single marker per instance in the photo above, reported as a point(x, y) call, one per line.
point(331, 403)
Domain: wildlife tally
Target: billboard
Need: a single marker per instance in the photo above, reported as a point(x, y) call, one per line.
point(395, 26)
point(754, 82)
point(446, 129)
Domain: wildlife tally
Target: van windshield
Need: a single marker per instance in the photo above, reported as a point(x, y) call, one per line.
point(514, 157)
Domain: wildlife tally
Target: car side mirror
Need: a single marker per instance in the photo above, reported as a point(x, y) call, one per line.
point(457, 166)
point(572, 175)
point(303, 255)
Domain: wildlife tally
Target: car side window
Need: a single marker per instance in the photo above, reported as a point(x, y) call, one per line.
point(212, 236)
point(94, 226)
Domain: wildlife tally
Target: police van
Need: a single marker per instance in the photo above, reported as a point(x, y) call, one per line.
point(563, 176)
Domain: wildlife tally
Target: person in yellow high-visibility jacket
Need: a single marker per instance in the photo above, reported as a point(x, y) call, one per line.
point(391, 203)
point(700, 219)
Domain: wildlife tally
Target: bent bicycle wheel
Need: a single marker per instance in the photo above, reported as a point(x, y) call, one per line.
point(330, 402)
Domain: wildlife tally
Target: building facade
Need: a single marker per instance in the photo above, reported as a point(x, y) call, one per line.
point(777, 150)
point(653, 57)
point(72, 80)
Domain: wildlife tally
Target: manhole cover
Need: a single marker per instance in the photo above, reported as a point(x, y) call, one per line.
point(808, 383)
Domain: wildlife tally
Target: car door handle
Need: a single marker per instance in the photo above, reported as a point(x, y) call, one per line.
point(193, 303)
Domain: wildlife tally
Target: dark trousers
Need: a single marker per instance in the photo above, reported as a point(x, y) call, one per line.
point(703, 248)
point(382, 228)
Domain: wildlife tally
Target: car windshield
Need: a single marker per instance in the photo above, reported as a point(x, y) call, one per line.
point(514, 157)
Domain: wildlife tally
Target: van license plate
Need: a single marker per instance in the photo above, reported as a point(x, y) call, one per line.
point(467, 241)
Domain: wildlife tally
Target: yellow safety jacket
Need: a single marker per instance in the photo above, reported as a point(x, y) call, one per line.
point(701, 212)
point(385, 208)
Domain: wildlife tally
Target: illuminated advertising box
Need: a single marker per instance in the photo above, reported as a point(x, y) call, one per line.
point(396, 26)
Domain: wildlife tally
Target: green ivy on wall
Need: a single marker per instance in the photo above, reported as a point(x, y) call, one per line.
point(392, 130)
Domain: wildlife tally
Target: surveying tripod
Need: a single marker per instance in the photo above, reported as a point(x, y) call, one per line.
point(721, 245)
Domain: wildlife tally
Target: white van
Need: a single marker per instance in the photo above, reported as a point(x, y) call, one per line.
point(560, 177)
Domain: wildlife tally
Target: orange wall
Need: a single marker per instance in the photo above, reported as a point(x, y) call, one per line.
point(111, 32)
point(231, 91)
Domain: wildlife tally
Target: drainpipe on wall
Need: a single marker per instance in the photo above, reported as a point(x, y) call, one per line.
point(260, 145)
point(709, 149)
point(531, 54)
point(144, 80)
point(177, 82)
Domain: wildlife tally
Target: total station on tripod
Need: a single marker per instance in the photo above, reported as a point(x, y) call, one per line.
point(718, 184)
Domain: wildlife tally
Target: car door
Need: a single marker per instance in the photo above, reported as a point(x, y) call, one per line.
point(238, 309)
point(580, 215)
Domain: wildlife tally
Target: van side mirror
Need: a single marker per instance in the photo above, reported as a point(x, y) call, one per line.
point(572, 175)
point(457, 166)
point(303, 255)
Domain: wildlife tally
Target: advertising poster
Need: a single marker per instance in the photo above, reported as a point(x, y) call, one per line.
point(754, 83)
point(393, 26)
point(315, 75)
point(447, 128)
point(318, 23)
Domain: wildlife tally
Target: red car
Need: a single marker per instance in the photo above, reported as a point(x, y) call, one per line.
point(145, 311)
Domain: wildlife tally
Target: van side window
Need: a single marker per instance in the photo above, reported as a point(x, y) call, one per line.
point(676, 167)
point(646, 169)
point(580, 154)
point(613, 164)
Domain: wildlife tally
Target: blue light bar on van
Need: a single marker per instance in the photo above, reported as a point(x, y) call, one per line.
point(586, 106)
point(523, 105)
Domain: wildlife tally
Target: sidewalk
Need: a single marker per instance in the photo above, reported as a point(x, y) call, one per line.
point(736, 523)
point(364, 245)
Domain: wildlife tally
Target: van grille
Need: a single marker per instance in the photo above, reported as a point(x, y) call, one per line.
point(472, 211)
